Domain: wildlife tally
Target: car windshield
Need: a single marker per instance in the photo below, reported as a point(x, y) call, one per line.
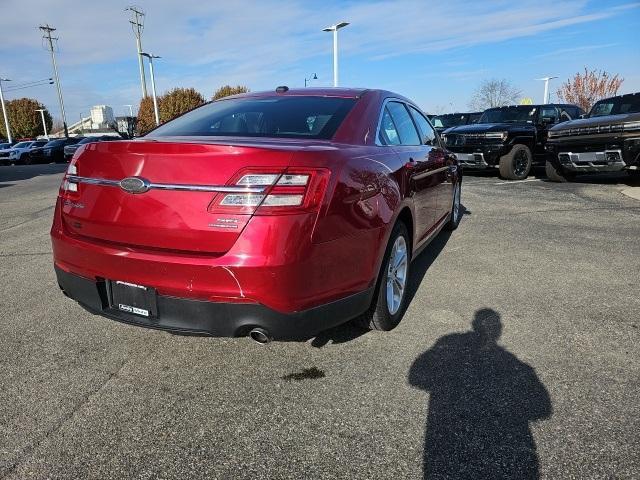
point(22, 145)
point(616, 106)
point(287, 117)
point(450, 120)
point(518, 114)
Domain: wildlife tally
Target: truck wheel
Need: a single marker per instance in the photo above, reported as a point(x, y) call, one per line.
point(516, 164)
point(557, 174)
point(390, 298)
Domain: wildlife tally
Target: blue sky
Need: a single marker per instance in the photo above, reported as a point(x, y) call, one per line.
point(435, 52)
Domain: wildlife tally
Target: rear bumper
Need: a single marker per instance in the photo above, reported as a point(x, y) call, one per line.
point(220, 319)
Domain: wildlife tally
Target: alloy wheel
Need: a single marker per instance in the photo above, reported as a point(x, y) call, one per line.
point(521, 162)
point(397, 274)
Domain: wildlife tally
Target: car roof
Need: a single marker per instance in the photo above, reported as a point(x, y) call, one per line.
point(626, 95)
point(309, 91)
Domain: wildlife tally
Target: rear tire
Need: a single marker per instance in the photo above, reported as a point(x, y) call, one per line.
point(456, 208)
point(558, 174)
point(389, 302)
point(516, 164)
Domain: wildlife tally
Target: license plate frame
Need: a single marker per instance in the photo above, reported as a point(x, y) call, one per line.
point(131, 298)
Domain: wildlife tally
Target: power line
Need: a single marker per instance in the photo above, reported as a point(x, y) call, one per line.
point(38, 83)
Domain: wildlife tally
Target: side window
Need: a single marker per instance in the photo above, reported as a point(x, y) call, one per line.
point(388, 133)
point(550, 113)
point(404, 125)
point(428, 134)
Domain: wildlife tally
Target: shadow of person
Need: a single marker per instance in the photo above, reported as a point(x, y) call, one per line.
point(482, 399)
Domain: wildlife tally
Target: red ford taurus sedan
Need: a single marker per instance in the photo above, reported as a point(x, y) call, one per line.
point(274, 215)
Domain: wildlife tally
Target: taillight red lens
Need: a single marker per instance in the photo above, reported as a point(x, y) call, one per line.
point(283, 192)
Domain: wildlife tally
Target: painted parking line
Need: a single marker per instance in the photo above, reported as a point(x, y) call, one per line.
point(511, 182)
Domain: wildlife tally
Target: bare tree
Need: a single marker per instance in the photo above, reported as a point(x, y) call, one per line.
point(494, 93)
point(585, 89)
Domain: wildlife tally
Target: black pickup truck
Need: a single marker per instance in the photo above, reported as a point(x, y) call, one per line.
point(511, 139)
point(607, 140)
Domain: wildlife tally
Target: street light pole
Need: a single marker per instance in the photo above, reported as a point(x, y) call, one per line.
point(137, 23)
point(150, 56)
point(44, 124)
point(308, 80)
point(546, 87)
point(4, 111)
point(334, 29)
point(47, 36)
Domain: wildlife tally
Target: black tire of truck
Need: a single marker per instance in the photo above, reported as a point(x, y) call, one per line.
point(516, 164)
point(558, 174)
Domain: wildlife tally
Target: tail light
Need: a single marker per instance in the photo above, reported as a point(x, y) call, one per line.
point(69, 189)
point(292, 191)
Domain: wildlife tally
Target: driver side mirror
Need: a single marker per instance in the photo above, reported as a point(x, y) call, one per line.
point(548, 120)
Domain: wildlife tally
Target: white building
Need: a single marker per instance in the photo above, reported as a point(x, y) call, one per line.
point(102, 117)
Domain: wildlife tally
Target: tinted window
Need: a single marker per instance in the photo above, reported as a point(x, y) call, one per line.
point(22, 145)
point(519, 114)
point(55, 143)
point(550, 113)
point(289, 117)
point(388, 132)
point(404, 124)
point(426, 130)
point(616, 106)
point(38, 144)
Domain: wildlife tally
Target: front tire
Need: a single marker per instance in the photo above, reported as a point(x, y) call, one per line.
point(516, 164)
point(389, 302)
point(557, 174)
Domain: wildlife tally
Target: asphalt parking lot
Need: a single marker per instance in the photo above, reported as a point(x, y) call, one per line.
point(551, 390)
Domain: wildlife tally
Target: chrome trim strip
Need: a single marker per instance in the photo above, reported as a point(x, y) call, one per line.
point(171, 186)
point(430, 172)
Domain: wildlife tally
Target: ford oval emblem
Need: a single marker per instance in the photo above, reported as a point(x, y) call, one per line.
point(135, 184)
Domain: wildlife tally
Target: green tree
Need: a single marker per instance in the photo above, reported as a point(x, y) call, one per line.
point(146, 119)
point(178, 101)
point(24, 120)
point(229, 90)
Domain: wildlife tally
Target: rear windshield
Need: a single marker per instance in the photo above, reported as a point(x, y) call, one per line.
point(616, 106)
point(280, 117)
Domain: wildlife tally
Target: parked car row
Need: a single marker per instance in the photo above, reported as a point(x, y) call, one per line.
point(42, 151)
point(559, 137)
point(511, 139)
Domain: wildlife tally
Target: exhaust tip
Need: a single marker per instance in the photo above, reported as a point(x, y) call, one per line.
point(260, 335)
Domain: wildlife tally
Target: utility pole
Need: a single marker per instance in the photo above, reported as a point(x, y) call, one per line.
point(137, 24)
point(4, 111)
point(47, 36)
point(44, 124)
